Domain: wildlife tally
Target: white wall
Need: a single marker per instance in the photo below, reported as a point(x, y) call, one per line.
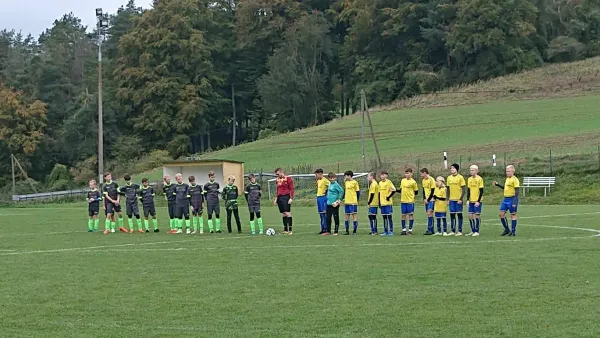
point(198, 171)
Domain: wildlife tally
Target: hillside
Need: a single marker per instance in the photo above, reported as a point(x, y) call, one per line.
point(512, 123)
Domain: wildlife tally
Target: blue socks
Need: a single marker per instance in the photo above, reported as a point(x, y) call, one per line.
point(445, 224)
point(477, 224)
point(385, 224)
point(347, 224)
point(411, 222)
point(355, 226)
point(403, 225)
point(453, 222)
point(439, 225)
point(514, 226)
point(430, 224)
point(460, 221)
point(373, 223)
point(323, 221)
point(504, 224)
point(472, 224)
point(390, 223)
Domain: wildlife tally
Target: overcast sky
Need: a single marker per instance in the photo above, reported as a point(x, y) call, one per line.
point(34, 16)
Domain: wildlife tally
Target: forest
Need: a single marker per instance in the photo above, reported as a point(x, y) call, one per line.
point(192, 76)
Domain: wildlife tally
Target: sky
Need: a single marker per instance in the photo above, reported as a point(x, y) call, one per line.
point(34, 16)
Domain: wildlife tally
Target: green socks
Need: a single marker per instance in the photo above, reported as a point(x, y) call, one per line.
point(113, 225)
point(96, 223)
point(139, 223)
point(252, 228)
point(187, 223)
point(201, 224)
point(130, 221)
point(146, 224)
point(195, 222)
point(210, 225)
point(218, 224)
point(107, 224)
point(260, 225)
point(120, 222)
point(154, 223)
point(173, 224)
point(90, 224)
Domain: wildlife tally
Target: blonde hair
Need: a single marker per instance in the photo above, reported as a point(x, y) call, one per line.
point(441, 180)
point(178, 175)
point(474, 167)
point(510, 166)
point(231, 178)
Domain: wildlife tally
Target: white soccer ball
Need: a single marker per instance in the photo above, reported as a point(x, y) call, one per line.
point(270, 232)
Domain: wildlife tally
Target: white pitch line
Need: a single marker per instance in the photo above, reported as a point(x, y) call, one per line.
point(560, 215)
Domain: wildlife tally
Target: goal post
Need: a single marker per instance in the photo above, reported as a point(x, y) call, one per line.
point(305, 185)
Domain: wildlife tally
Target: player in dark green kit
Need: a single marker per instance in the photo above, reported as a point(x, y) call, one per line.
point(196, 193)
point(211, 192)
point(182, 204)
point(230, 196)
point(168, 190)
point(112, 205)
point(147, 197)
point(130, 191)
point(253, 194)
point(94, 197)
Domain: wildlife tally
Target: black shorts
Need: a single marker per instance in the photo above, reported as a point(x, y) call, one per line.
point(132, 209)
point(94, 209)
point(197, 210)
point(171, 208)
point(283, 203)
point(213, 208)
point(254, 209)
point(182, 211)
point(111, 208)
point(149, 210)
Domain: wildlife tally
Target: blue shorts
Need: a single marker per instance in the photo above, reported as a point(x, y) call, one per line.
point(440, 215)
point(507, 205)
point(322, 204)
point(455, 207)
point(372, 210)
point(475, 210)
point(407, 208)
point(386, 209)
point(429, 206)
point(350, 209)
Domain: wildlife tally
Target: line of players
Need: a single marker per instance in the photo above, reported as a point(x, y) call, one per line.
point(180, 197)
point(439, 196)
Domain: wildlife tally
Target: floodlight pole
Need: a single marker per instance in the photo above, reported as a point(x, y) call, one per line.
point(100, 27)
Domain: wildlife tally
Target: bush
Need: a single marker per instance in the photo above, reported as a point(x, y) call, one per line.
point(267, 133)
point(154, 159)
point(565, 49)
point(60, 178)
point(84, 170)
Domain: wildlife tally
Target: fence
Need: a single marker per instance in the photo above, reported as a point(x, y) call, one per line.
point(305, 185)
point(55, 195)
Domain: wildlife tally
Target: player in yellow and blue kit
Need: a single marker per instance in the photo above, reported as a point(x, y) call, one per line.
point(441, 207)
point(386, 191)
point(474, 195)
point(322, 185)
point(408, 190)
point(456, 192)
point(428, 184)
point(510, 202)
point(373, 203)
point(351, 197)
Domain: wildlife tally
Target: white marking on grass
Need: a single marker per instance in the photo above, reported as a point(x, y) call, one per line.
point(560, 215)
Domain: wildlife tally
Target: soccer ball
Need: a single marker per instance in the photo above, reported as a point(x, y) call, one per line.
point(270, 232)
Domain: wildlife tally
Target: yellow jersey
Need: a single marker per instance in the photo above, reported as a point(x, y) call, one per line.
point(428, 184)
point(474, 184)
point(351, 196)
point(322, 186)
point(374, 189)
point(385, 189)
point(440, 206)
point(455, 184)
point(408, 188)
point(510, 185)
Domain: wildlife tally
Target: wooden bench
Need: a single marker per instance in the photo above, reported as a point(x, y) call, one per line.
point(538, 182)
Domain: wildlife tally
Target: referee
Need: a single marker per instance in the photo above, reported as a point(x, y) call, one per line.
point(285, 196)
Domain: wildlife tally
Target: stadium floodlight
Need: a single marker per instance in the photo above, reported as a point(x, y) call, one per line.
point(103, 23)
point(99, 12)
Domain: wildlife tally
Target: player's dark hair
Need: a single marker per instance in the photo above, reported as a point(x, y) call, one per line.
point(408, 170)
point(144, 180)
point(425, 171)
point(319, 171)
point(331, 175)
point(372, 174)
point(349, 173)
point(251, 176)
point(191, 178)
point(211, 173)
point(383, 172)
point(106, 174)
point(456, 166)
point(278, 170)
point(127, 177)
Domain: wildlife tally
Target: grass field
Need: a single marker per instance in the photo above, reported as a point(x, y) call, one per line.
point(60, 281)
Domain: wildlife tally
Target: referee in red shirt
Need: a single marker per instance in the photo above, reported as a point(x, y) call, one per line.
point(285, 196)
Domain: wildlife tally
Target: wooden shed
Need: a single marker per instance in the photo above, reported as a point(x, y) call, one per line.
point(200, 169)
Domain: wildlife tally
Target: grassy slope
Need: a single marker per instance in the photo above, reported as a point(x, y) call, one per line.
point(59, 281)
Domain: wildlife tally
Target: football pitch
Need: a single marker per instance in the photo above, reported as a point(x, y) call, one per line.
point(60, 281)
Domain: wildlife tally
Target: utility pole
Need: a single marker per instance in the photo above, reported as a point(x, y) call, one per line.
point(362, 132)
point(102, 24)
point(234, 114)
point(366, 111)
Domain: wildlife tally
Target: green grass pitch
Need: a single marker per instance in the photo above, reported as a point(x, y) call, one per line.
point(60, 281)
